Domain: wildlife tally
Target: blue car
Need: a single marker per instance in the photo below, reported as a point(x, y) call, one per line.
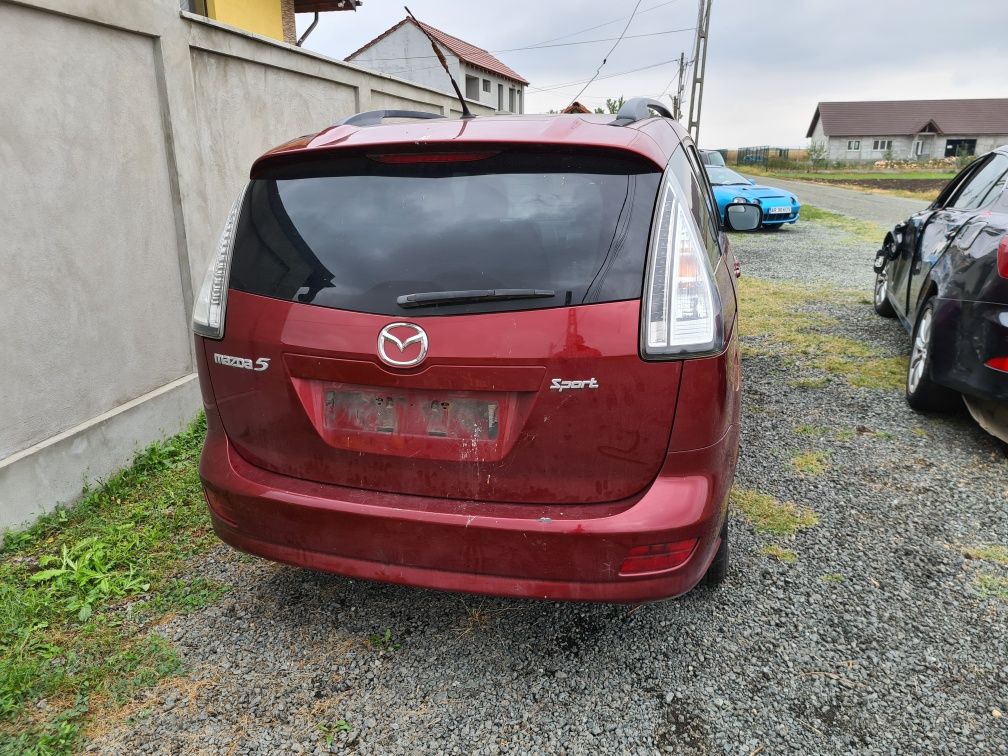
point(779, 207)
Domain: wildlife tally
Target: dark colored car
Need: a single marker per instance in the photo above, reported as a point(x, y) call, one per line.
point(496, 355)
point(944, 274)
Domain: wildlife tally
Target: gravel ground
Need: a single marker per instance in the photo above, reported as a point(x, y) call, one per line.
point(883, 209)
point(875, 640)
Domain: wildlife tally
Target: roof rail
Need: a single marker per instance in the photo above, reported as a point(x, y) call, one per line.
point(637, 109)
point(375, 117)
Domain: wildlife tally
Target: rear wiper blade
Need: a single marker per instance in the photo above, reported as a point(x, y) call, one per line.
point(426, 298)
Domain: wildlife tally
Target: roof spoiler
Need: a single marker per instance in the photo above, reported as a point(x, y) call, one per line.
point(375, 117)
point(637, 109)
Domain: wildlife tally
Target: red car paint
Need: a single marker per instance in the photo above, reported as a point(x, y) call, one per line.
point(612, 491)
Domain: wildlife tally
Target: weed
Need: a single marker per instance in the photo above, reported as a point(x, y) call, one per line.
point(330, 731)
point(833, 577)
point(69, 586)
point(919, 432)
point(768, 515)
point(780, 554)
point(993, 553)
point(812, 430)
point(845, 434)
point(992, 586)
point(383, 642)
point(810, 464)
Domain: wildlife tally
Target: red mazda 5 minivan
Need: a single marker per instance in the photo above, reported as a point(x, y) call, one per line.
point(494, 355)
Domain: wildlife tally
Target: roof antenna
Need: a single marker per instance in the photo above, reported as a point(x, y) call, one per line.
point(444, 64)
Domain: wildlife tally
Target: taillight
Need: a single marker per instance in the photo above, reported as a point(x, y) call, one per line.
point(211, 304)
point(998, 363)
point(681, 305)
point(1002, 260)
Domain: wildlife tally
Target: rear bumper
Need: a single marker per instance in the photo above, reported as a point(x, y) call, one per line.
point(534, 551)
point(965, 336)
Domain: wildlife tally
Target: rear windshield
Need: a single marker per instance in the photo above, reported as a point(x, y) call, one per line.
point(358, 233)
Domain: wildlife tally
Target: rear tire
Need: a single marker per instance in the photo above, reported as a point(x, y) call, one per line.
point(718, 569)
point(921, 392)
point(881, 300)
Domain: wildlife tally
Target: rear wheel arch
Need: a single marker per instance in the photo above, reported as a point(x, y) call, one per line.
point(923, 393)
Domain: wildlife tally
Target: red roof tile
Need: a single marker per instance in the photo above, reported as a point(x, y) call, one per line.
point(906, 117)
point(475, 56)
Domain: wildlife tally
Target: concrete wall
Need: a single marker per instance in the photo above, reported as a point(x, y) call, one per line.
point(128, 129)
point(407, 53)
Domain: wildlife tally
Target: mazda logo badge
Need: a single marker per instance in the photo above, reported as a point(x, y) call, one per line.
point(401, 344)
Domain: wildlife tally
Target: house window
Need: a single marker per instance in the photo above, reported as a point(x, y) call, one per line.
point(486, 85)
point(881, 145)
point(500, 97)
point(853, 144)
point(472, 87)
point(955, 147)
point(511, 99)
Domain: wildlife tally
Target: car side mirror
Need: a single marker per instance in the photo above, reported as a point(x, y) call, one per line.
point(743, 216)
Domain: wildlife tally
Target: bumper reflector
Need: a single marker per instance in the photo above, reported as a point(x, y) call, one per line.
point(657, 557)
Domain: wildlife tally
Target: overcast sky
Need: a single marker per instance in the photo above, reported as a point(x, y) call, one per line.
point(768, 65)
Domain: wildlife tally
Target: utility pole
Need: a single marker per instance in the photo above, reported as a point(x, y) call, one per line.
point(699, 66)
point(677, 100)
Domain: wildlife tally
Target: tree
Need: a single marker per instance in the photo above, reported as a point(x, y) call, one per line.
point(600, 110)
point(817, 153)
point(613, 106)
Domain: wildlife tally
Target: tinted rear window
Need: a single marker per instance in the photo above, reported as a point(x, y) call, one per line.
point(356, 233)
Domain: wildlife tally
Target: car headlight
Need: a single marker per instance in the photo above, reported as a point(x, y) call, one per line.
point(737, 200)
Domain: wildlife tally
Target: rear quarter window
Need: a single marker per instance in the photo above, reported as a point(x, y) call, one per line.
point(356, 233)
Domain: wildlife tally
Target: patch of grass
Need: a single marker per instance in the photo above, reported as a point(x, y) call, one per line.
point(861, 229)
point(74, 586)
point(871, 173)
point(818, 431)
point(833, 577)
point(919, 432)
point(768, 515)
point(845, 434)
point(810, 464)
point(873, 372)
point(992, 586)
point(785, 314)
point(779, 553)
point(993, 553)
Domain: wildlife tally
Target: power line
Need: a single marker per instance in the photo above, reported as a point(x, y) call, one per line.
point(553, 87)
point(544, 47)
point(607, 23)
point(606, 57)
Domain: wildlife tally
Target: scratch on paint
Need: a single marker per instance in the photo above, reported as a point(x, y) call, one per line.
point(469, 520)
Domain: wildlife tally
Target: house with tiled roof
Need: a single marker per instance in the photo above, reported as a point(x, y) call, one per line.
point(405, 51)
point(909, 129)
